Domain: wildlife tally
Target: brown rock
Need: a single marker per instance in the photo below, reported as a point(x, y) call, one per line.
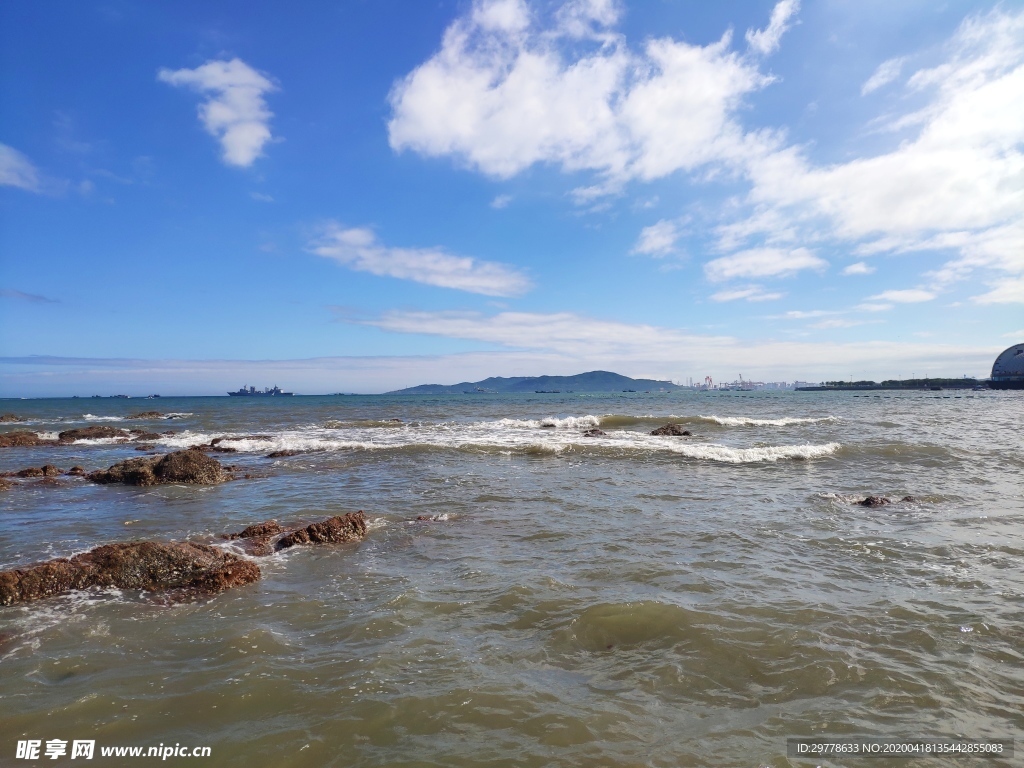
point(146, 415)
point(90, 433)
point(282, 454)
point(145, 447)
point(22, 438)
point(334, 530)
point(5, 485)
point(266, 528)
point(908, 499)
point(29, 472)
point(77, 471)
point(47, 470)
point(189, 466)
point(50, 471)
point(8, 418)
point(874, 501)
point(145, 565)
point(595, 432)
point(671, 430)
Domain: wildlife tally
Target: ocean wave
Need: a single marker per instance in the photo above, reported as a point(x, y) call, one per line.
point(569, 422)
point(91, 417)
point(626, 421)
point(524, 439)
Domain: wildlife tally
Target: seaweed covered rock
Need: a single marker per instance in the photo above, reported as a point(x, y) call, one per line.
point(145, 565)
point(146, 415)
point(22, 438)
point(8, 418)
point(671, 430)
point(77, 471)
point(189, 466)
point(283, 454)
point(90, 433)
point(5, 485)
point(334, 530)
point(47, 470)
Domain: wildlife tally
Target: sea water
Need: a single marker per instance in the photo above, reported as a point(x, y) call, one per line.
point(619, 600)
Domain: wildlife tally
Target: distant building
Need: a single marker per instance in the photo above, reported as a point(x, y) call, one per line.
point(1008, 369)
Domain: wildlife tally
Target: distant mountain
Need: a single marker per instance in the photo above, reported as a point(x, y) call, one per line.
point(594, 381)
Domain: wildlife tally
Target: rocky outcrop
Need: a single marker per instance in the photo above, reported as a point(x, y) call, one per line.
point(22, 439)
point(881, 501)
point(283, 454)
point(335, 530)
point(671, 430)
point(189, 466)
point(148, 436)
point(595, 432)
point(91, 433)
point(146, 415)
point(47, 470)
point(145, 565)
point(77, 471)
point(9, 418)
point(5, 485)
point(266, 528)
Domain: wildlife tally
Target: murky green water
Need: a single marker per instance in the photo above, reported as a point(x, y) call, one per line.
point(616, 601)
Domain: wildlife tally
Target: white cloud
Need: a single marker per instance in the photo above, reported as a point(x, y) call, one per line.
point(762, 262)
point(860, 268)
point(359, 249)
point(954, 182)
point(501, 201)
point(837, 322)
point(872, 307)
point(887, 72)
point(234, 111)
point(260, 197)
point(1014, 334)
point(16, 170)
point(1009, 291)
point(503, 94)
point(658, 239)
point(766, 40)
point(750, 293)
point(907, 296)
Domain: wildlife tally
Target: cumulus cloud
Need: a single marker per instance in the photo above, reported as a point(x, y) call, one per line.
point(750, 293)
point(765, 41)
point(16, 170)
point(860, 268)
point(658, 239)
point(506, 91)
point(762, 262)
point(907, 296)
point(887, 72)
point(359, 249)
point(953, 183)
point(235, 111)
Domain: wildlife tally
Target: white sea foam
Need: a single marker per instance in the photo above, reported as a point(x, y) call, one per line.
point(569, 422)
point(746, 421)
point(91, 417)
point(506, 435)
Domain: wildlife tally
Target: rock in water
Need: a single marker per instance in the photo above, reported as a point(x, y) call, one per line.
point(266, 528)
point(146, 415)
point(9, 417)
point(874, 501)
point(595, 432)
point(671, 430)
point(90, 433)
point(21, 438)
point(334, 530)
point(145, 565)
point(179, 467)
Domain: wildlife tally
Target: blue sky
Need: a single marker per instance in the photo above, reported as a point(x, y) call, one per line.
point(365, 196)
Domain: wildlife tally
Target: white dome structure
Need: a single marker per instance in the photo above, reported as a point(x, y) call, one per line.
point(1008, 369)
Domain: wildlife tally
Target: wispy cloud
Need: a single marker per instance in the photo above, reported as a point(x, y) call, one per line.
point(501, 201)
point(762, 262)
point(359, 249)
point(906, 296)
point(887, 72)
point(235, 111)
point(765, 41)
point(10, 293)
point(658, 239)
point(1009, 291)
point(860, 268)
point(750, 293)
point(16, 170)
point(261, 197)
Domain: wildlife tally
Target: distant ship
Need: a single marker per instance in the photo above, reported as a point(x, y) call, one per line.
point(253, 392)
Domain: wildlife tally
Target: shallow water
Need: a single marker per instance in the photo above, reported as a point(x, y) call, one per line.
point(625, 600)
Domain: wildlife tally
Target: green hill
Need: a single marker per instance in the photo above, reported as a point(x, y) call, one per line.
point(594, 381)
